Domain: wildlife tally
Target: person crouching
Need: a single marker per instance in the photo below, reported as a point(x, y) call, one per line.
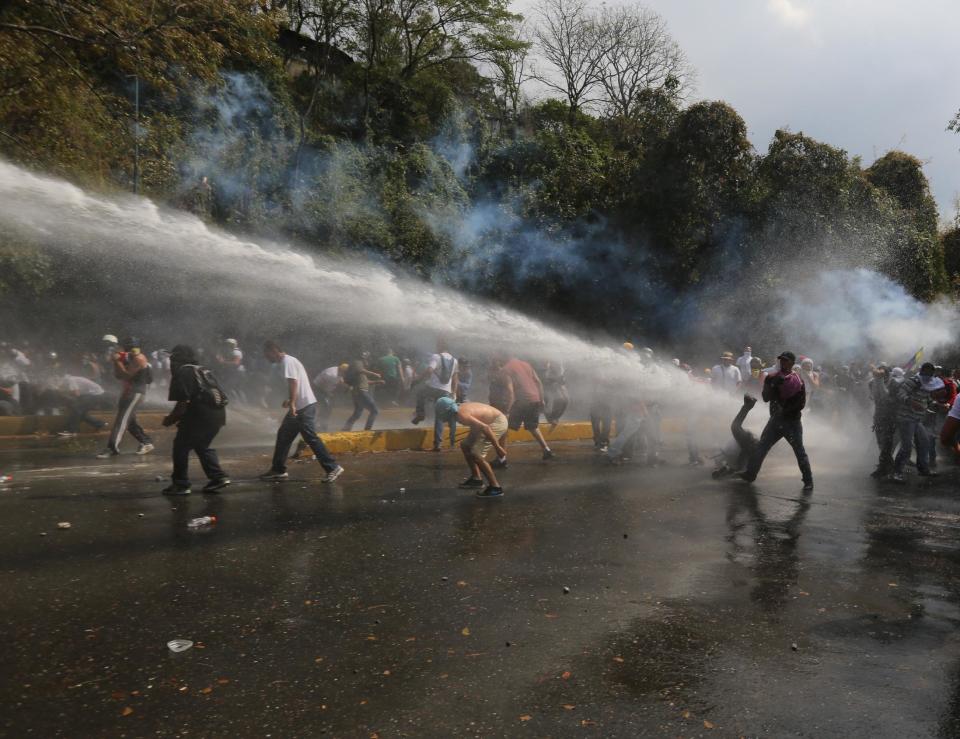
point(199, 414)
point(487, 425)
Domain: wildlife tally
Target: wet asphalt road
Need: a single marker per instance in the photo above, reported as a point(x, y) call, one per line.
point(695, 607)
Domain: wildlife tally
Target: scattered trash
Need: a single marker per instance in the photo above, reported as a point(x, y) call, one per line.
point(509, 644)
point(566, 590)
point(179, 645)
point(43, 533)
point(6, 478)
point(140, 515)
point(624, 536)
point(63, 525)
point(794, 647)
point(444, 578)
point(202, 521)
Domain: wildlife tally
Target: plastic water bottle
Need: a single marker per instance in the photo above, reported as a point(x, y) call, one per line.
point(202, 521)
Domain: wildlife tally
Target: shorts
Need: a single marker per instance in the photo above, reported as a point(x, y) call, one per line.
point(478, 444)
point(526, 414)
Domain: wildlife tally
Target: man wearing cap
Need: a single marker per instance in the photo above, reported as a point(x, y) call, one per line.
point(786, 394)
point(725, 376)
point(487, 425)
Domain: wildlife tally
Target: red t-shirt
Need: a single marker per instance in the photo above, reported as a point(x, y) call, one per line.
point(525, 385)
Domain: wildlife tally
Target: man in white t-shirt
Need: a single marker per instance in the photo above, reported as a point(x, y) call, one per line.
point(743, 362)
point(81, 396)
point(440, 378)
point(326, 384)
point(301, 418)
point(725, 376)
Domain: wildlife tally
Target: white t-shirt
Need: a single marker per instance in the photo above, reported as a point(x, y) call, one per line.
point(328, 380)
point(293, 370)
point(725, 378)
point(434, 365)
point(743, 364)
point(82, 385)
point(955, 409)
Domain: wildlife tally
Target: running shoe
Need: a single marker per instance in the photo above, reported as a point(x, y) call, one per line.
point(274, 476)
point(471, 482)
point(177, 489)
point(108, 454)
point(490, 492)
point(333, 474)
point(215, 486)
point(145, 448)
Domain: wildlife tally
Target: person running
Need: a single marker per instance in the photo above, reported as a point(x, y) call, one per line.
point(785, 393)
point(359, 379)
point(390, 369)
point(525, 393)
point(199, 414)
point(913, 400)
point(487, 425)
point(132, 368)
point(301, 405)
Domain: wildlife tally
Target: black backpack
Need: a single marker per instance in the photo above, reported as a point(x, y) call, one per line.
point(209, 391)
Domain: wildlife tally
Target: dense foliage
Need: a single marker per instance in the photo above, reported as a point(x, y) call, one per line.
point(398, 128)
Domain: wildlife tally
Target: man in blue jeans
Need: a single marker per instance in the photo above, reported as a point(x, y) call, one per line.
point(301, 418)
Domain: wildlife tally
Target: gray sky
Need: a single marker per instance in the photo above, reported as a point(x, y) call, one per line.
point(863, 75)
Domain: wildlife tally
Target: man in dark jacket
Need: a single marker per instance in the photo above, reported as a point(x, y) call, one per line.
point(786, 394)
point(199, 413)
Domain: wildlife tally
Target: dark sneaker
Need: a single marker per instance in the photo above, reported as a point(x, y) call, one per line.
point(436, 449)
point(499, 464)
point(548, 454)
point(808, 486)
point(274, 476)
point(743, 476)
point(417, 419)
point(471, 482)
point(928, 473)
point(215, 486)
point(878, 473)
point(333, 474)
point(490, 492)
point(176, 489)
point(108, 454)
point(749, 401)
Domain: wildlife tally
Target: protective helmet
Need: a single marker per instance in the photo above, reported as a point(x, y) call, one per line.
point(111, 338)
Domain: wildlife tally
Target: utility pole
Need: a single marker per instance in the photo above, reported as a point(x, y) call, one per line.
point(136, 122)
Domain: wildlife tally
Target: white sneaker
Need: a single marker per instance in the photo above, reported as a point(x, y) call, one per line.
point(145, 449)
point(333, 474)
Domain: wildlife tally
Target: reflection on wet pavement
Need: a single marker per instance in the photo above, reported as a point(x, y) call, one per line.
point(622, 601)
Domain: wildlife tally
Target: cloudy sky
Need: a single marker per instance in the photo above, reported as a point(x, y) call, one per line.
point(864, 75)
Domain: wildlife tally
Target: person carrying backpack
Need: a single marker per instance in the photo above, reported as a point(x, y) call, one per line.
point(440, 379)
point(199, 414)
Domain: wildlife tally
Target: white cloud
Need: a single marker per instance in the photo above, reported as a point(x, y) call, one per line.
point(789, 13)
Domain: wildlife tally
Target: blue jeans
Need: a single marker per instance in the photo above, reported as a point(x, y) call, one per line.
point(304, 424)
point(778, 428)
point(910, 430)
point(362, 400)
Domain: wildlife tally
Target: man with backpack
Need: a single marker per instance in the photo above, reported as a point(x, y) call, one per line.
point(132, 368)
point(199, 414)
point(441, 377)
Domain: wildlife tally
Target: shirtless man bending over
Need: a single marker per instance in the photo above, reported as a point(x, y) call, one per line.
point(487, 425)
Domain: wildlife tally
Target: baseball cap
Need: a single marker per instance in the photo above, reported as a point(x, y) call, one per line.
point(788, 355)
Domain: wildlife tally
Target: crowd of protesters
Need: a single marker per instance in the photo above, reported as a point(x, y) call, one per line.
point(911, 407)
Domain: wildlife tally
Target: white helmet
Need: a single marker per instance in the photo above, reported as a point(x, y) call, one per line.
point(111, 338)
point(232, 342)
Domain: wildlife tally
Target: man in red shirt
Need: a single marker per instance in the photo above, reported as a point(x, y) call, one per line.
point(525, 401)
